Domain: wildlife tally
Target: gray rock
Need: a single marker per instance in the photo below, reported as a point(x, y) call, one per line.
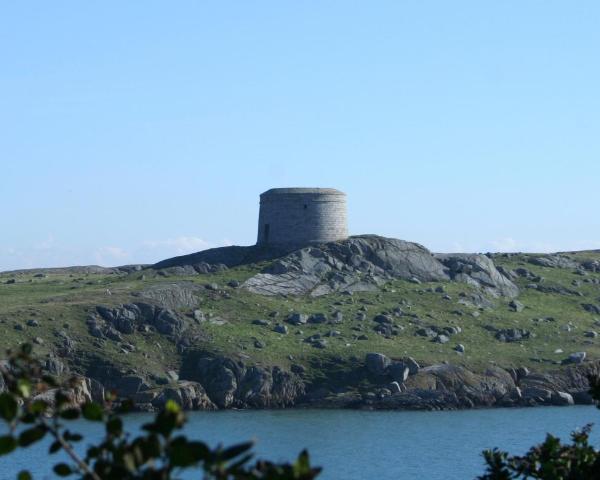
point(112, 334)
point(260, 322)
point(259, 344)
point(394, 387)
point(590, 334)
point(537, 394)
point(479, 271)
point(189, 395)
point(297, 319)
point(383, 319)
point(54, 366)
point(352, 265)
point(96, 331)
point(576, 358)
point(377, 363)
point(129, 385)
point(562, 399)
point(33, 323)
point(553, 261)
point(173, 295)
point(398, 371)
point(460, 348)
point(281, 329)
point(318, 318)
point(168, 322)
point(516, 306)
point(591, 308)
point(441, 339)
point(426, 332)
point(412, 364)
point(512, 335)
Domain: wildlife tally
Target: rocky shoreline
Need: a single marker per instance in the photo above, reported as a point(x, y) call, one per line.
point(380, 383)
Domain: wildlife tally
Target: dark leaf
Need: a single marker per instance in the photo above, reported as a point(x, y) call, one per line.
point(31, 436)
point(236, 450)
point(8, 406)
point(114, 426)
point(7, 444)
point(62, 470)
point(24, 475)
point(55, 447)
point(92, 411)
point(184, 453)
point(70, 414)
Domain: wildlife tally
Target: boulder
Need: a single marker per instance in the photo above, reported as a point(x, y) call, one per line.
point(516, 306)
point(413, 366)
point(173, 295)
point(189, 395)
point(553, 261)
point(512, 335)
point(394, 388)
point(562, 399)
point(479, 271)
point(575, 358)
point(230, 383)
point(377, 363)
point(281, 329)
point(297, 319)
point(398, 371)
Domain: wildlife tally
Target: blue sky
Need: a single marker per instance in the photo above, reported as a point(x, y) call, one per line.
point(133, 131)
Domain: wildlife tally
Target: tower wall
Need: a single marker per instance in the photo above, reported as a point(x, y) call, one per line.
point(302, 216)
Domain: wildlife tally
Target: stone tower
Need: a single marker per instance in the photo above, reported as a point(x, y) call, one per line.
point(302, 216)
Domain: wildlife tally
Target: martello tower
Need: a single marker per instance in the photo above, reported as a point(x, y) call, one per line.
point(302, 216)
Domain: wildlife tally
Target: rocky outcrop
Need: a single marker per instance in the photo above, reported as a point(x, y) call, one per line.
point(127, 318)
point(479, 271)
point(172, 295)
point(554, 261)
point(447, 386)
point(189, 395)
point(230, 383)
point(364, 263)
point(357, 264)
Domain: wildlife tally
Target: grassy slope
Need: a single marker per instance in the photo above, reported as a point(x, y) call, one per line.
point(61, 302)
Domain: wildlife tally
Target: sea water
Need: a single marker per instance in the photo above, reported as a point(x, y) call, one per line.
point(352, 444)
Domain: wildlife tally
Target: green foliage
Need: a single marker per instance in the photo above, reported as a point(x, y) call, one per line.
point(160, 453)
point(551, 460)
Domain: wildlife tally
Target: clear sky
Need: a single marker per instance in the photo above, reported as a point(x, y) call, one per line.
point(131, 131)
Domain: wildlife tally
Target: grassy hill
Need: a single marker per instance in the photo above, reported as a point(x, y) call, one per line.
point(51, 309)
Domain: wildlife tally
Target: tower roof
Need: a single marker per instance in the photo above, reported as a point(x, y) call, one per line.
point(302, 191)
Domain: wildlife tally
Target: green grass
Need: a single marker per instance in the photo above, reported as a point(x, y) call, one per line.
point(61, 303)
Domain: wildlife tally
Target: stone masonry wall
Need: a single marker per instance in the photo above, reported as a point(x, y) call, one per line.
point(302, 216)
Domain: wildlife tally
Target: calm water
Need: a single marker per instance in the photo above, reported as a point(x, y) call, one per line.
point(364, 445)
